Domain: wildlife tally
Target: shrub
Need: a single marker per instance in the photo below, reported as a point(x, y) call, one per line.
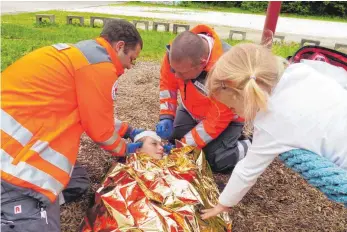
point(324, 8)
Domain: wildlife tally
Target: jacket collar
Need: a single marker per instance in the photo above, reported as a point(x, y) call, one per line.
point(113, 55)
point(217, 50)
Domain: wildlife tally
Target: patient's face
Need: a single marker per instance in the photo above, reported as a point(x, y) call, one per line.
point(152, 147)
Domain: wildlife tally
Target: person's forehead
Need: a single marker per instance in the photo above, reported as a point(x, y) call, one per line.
point(138, 48)
point(182, 64)
point(135, 51)
point(151, 140)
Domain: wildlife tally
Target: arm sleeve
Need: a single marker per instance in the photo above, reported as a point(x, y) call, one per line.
point(94, 86)
point(218, 118)
point(168, 91)
point(262, 152)
point(333, 72)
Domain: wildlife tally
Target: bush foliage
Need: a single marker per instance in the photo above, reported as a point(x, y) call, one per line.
point(323, 8)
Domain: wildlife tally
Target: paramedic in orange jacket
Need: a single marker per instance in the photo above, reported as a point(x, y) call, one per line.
point(49, 98)
point(199, 120)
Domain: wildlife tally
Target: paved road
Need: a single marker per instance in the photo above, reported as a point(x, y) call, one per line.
point(294, 29)
point(10, 7)
point(255, 22)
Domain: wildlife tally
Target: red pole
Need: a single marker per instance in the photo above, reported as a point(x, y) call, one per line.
point(273, 11)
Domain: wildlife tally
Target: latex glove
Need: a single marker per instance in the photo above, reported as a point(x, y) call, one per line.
point(168, 147)
point(132, 147)
point(164, 128)
point(207, 213)
point(133, 132)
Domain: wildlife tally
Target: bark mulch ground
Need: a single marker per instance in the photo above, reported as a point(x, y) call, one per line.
point(280, 201)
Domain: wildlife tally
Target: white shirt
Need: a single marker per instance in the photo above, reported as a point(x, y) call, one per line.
point(307, 110)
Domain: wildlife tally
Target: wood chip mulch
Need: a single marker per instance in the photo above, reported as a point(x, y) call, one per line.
point(280, 201)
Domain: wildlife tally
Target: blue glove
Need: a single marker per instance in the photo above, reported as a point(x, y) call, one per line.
point(132, 133)
point(164, 128)
point(132, 147)
point(168, 147)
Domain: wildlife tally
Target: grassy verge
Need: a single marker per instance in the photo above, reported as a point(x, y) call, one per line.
point(20, 35)
point(205, 7)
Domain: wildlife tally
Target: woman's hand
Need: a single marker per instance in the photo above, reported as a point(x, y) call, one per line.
point(207, 213)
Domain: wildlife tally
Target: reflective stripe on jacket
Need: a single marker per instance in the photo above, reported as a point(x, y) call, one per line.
point(213, 117)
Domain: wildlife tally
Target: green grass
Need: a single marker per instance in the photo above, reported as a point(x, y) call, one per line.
point(21, 35)
point(205, 7)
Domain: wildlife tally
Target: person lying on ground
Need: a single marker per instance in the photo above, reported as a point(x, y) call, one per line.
point(153, 191)
point(151, 144)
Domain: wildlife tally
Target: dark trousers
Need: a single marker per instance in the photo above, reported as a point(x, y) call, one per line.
point(222, 153)
point(78, 185)
point(21, 213)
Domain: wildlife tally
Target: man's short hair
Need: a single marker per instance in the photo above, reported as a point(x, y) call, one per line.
point(187, 45)
point(121, 30)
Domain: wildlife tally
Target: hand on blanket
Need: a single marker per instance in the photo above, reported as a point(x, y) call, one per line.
point(168, 147)
point(207, 213)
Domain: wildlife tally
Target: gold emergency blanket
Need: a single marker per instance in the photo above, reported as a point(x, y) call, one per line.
point(157, 195)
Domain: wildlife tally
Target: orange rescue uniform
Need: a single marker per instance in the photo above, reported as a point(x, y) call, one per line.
point(49, 98)
point(213, 116)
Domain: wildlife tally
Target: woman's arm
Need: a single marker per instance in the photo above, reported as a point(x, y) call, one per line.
point(263, 151)
point(244, 176)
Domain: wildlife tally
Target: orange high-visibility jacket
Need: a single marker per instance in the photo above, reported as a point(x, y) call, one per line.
point(49, 98)
point(213, 116)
